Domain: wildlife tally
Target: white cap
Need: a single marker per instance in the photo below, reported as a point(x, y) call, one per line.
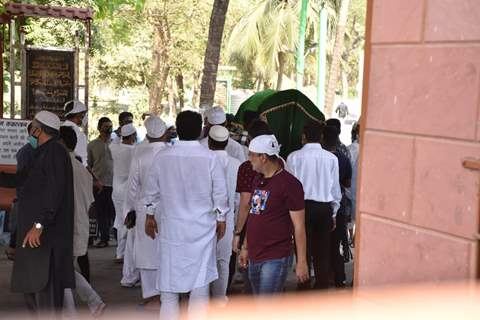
point(216, 115)
point(265, 144)
point(155, 127)
point(127, 130)
point(49, 119)
point(77, 107)
point(218, 133)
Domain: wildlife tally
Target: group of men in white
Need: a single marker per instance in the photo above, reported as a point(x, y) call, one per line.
point(176, 204)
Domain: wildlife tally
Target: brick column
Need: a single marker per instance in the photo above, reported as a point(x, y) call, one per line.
point(418, 206)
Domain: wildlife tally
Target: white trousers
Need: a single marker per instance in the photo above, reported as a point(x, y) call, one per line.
point(86, 293)
point(130, 274)
point(148, 278)
point(219, 286)
point(197, 304)
point(121, 241)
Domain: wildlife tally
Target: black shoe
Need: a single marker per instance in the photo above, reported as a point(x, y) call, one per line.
point(101, 244)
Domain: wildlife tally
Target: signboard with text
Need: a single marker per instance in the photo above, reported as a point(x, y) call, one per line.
point(13, 136)
point(50, 80)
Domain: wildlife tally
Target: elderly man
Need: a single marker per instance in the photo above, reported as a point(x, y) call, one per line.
point(76, 117)
point(187, 193)
point(144, 248)
point(216, 116)
point(43, 265)
point(217, 141)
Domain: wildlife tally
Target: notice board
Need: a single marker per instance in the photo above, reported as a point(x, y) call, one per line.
point(50, 80)
point(13, 136)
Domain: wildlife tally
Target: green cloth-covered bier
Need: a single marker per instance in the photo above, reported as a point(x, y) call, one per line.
point(286, 112)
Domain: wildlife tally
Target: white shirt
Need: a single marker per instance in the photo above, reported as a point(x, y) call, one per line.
point(234, 149)
point(81, 147)
point(83, 198)
point(144, 248)
point(230, 165)
point(354, 149)
point(317, 170)
point(186, 185)
point(122, 155)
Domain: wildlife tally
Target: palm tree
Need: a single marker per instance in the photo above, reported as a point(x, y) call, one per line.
point(336, 56)
point(212, 53)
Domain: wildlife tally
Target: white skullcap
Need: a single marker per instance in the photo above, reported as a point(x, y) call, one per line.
point(265, 144)
point(49, 119)
point(218, 133)
point(216, 115)
point(77, 107)
point(127, 130)
point(155, 127)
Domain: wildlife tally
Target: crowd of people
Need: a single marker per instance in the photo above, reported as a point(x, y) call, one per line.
point(190, 207)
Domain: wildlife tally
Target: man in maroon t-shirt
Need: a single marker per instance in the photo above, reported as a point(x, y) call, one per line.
point(277, 213)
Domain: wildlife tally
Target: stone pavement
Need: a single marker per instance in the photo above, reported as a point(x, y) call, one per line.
point(105, 278)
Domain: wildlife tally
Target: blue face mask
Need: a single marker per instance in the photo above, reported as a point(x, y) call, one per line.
point(33, 141)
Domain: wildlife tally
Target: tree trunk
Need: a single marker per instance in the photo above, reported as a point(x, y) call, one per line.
point(212, 53)
point(171, 98)
point(281, 67)
point(344, 84)
point(159, 70)
point(337, 52)
point(180, 89)
point(196, 91)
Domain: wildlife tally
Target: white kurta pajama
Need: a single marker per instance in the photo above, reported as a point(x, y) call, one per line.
point(233, 148)
point(144, 248)
point(224, 246)
point(122, 159)
point(186, 190)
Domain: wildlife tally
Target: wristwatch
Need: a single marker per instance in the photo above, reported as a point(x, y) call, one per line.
point(38, 226)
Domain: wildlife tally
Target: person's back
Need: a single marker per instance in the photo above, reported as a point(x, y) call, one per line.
point(122, 155)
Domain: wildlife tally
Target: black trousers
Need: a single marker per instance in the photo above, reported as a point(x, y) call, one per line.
point(338, 262)
point(84, 265)
point(105, 212)
point(318, 225)
point(47, 303)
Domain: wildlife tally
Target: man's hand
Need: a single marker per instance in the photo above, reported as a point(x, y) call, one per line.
point(243, 258)
point(98, 185)
point(301, 270)
point(151, 228)
point(236, 243)
point(221, 226)
point(32, 238)
point(334, 223)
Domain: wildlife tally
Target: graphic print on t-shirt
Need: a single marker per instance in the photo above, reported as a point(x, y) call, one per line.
point(259, 201)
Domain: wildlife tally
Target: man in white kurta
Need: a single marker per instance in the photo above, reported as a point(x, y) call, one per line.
point(217, 116)
point(217, 141)
point(144, 248)
point(186, 200)
point(76, 116)
point(122, 154)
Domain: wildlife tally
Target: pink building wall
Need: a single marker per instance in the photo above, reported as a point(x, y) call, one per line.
point(418, 210)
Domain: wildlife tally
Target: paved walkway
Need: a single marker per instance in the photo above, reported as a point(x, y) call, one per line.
point(105, 277)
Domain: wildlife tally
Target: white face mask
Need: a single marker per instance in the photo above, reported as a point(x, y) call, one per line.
point(85, 121)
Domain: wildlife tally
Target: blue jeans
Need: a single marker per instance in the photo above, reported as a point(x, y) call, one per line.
point(269, 276)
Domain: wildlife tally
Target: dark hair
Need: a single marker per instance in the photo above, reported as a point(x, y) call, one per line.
point(101, 121)
point(128, 137)
point(249, 117)
point(69, 137)
point(29, 127)
point(355, 131)
point(258, 128)
point(335, 123)
point(313, 132)
point(124, 115)
point(330, 136)
point(272, 158)
point(48, 130)
point(189, 125)
point(217, 145)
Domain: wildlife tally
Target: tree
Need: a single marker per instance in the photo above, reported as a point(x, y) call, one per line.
point(336, 56)
point(212, 52)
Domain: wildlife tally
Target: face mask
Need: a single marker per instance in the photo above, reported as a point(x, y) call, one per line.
point(108, 130)
point(85, 121)
point(33, 141)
